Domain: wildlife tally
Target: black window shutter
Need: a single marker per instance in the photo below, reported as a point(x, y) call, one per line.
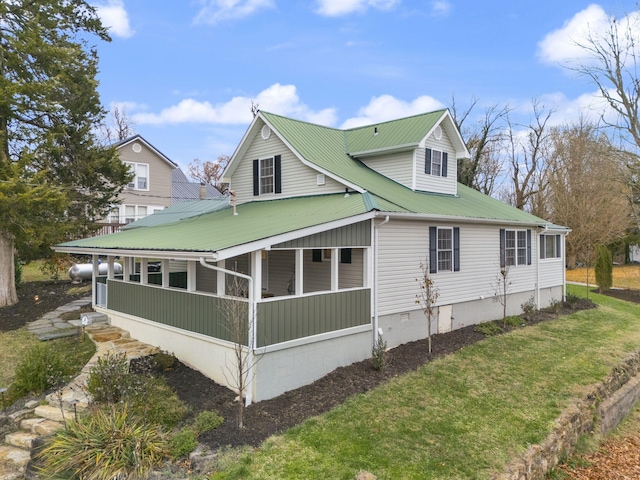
point(316, 255)
point(433, 249)
point(456, 249)
point(528, 247)
point(427, 161)
point(277, 174)
point(503, 256)
point(256, 178)
point(558, 246)
point(445, 157)
point(345, 255)
point(543, 253)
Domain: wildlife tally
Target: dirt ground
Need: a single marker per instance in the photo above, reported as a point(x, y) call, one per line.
point(278, 414)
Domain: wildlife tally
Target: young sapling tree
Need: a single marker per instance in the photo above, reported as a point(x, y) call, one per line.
point(427, 296)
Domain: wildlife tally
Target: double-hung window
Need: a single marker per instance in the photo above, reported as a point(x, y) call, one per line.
point(435, 162)
point(515, 247)
point(444, 249)
point(550, 246)
point(267, 176)
point(140, 176)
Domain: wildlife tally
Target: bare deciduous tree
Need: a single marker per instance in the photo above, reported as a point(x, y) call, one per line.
point(428, 296)
point(482, 170)
point(502, 289)
point(209, 172)
point(588, 190)
point(117, 126)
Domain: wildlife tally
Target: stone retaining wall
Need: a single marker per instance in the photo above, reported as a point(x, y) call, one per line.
point(606, 404)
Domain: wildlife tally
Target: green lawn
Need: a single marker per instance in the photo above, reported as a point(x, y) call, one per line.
point(462, 416)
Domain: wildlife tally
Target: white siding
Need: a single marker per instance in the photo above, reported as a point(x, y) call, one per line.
point(404, 244)
point(398, 166)
point(297, 178)
point(351, 274)
point(551, 272)
point(432, 183)
point(317, 275)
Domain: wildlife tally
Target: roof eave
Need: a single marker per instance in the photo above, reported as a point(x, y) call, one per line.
point(384, 150)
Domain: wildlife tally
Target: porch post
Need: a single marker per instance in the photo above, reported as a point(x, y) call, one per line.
point(144, 271)
point(221, 287)
point(165, 272)
point(126, 269)
point(110, 260)
point(256, 274)
point(191, 276)
point(335, 263)
point(96, 272)
point(299, 271)
point(366, 267)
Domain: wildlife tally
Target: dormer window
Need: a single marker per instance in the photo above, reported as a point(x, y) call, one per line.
point(435, 162)
point(267, 176)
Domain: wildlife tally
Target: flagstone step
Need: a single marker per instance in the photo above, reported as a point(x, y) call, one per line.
point(13, 460)
point(21, 439)
point(41, 426)
point(52, 413)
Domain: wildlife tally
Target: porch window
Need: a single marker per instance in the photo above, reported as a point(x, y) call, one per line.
point(444, 249)
point(435, 162)
point(515, 247)
point(267, 176)
point(550, 246)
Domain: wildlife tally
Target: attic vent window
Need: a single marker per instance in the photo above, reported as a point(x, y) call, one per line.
point(375, 130)
point(265, 132)
point(437, 133)
point(320, 180)
point(136, 148)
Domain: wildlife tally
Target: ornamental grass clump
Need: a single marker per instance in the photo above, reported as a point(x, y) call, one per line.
point(107, 444)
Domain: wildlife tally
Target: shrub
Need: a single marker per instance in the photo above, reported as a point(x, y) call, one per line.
point(529, 306)
point(109, 380)
point(514, 321)
point(489, 328)
point(572, 299)
point(183, 443)
point(379, 354)
point(206, 421)
point(164, 361)
point(41, 368)
point(17, 274)
point(109, 443)
point(604, 268)
point(153, 400)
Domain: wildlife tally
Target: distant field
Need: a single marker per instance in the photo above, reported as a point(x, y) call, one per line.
point(624, 276)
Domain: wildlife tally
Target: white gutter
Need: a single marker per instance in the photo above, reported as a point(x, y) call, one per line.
point(252, 326)
point(376, 262)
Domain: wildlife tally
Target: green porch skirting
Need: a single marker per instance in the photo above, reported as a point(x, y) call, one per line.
point(278, 320)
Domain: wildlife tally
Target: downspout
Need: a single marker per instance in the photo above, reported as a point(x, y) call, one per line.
point(252, 326)
point(537, 240)
point(376, 229)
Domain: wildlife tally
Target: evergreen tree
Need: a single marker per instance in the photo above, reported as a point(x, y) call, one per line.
point(55, 180)
point(604, 268)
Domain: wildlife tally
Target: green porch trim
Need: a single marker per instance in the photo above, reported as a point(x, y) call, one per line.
point(188, 311)
point(292, 318)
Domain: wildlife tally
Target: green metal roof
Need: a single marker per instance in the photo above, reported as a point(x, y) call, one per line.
point(222, 229)
point(180, 211)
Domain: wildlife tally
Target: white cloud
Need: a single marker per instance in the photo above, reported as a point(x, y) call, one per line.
point(279, 99)
point(215, 11)
point(563, 45)
point(336, 8)
point(440, 8)
point(386, 107)
point(114, 17)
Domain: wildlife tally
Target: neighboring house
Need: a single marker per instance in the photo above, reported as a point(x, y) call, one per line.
point(331, 226)
point(158, 183)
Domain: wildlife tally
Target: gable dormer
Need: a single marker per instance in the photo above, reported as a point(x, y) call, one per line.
point(420, 152)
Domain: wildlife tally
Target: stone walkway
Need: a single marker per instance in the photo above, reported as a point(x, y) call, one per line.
point(36, 421)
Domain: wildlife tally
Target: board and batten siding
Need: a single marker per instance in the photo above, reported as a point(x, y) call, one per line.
point(352, 235)
point(433, 183)
point(281, 272)
point(398, 166)
point(297, 178)
point(159, 181)
point(404, 244)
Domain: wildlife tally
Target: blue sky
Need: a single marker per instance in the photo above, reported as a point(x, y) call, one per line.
point(187, 71)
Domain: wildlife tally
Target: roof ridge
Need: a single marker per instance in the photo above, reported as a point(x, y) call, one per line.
point(368, 125)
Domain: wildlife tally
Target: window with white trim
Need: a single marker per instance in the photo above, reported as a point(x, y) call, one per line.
point(141, 176)
point(515, 247)
point(550, 246)
point(444, 249)
point(435, 162)
point(266, 175)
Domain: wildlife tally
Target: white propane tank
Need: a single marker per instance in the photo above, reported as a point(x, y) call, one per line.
point(84, 271)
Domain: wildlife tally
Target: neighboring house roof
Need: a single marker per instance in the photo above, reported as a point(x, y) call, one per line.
point(182, 190)
point(139, 138)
